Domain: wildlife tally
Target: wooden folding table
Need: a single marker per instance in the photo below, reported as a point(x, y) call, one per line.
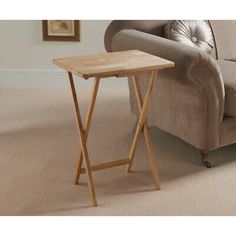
point(119, 64)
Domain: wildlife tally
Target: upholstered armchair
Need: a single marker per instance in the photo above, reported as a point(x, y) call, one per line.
point(196, 100)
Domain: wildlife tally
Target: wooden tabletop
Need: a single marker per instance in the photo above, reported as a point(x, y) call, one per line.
point(112, 64)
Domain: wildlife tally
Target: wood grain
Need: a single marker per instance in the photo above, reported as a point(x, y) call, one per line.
point(112, 64)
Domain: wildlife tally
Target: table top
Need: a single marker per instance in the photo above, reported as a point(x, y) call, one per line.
point(112, 64)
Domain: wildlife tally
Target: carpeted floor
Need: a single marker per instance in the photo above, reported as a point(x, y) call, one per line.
point(39, 144)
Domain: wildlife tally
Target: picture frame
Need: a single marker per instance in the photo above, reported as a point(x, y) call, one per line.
point(61, 30)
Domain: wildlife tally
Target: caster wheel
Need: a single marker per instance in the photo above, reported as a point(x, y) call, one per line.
point(207, 164)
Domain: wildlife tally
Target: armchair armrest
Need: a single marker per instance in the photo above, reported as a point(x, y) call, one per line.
point(193, 66)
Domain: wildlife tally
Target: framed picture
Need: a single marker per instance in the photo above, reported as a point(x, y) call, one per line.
point(61, 30)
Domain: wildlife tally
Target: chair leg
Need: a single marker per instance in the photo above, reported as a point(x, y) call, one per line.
point(204, 155)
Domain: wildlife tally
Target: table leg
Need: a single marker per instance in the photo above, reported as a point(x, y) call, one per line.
point(147, 137)
point(82, 140)
point(87, 124)
point(142, 123)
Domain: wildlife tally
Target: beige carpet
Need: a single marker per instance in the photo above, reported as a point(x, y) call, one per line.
point(38, 147)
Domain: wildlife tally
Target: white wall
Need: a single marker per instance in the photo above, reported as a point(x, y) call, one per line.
point(26, 60)
point(21, 45)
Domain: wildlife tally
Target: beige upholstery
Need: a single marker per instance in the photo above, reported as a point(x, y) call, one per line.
point(189, 100)
point(228, 70)
point(225, 37)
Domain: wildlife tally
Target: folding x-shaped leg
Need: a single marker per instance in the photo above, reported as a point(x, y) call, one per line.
point(84, 130)
point(142, 124)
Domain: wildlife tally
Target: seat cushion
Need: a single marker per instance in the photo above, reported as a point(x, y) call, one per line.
point(228, 69)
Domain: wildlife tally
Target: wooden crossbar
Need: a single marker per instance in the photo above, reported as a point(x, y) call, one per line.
point(107, 165)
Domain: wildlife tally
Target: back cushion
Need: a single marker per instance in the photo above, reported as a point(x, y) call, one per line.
point(225, 37)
